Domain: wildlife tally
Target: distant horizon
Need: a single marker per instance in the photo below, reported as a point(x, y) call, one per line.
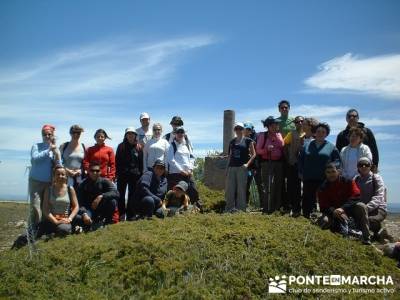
point(100, 64)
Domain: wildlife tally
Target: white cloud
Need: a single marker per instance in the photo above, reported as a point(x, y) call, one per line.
point(378, 75)
point(383, 136)
point(112, 66)
point(83, 85)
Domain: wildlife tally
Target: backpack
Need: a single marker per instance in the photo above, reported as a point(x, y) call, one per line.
point(176, 148)
point(65, 145)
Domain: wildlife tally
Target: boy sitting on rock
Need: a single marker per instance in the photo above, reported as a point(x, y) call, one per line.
point(176, 201)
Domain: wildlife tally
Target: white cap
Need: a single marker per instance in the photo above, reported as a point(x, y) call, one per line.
point(144, 115)
point(130, 129)
point(238, 124)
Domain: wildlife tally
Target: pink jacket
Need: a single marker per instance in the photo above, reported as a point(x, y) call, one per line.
point(273, 139)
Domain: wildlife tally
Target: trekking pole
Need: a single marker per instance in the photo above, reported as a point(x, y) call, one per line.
point(269, 200)
point(252, 199)
point(30, 235)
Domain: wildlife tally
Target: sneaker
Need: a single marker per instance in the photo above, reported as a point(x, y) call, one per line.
point(78, 229)
point(355, 233)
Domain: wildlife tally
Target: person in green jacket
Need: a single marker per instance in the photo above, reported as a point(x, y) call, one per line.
point(286, 125)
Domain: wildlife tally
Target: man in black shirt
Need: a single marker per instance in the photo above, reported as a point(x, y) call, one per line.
point(97, 197)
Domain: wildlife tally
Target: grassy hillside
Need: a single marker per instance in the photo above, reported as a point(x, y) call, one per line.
point(10, 215)
point(206, 256)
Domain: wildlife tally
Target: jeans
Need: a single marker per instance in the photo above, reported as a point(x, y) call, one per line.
point(47, 227)
point(104, 211)
point(147, 206)
point(359, 211)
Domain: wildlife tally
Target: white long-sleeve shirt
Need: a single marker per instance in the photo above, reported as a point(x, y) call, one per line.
point(153, 150)
point(349, 157)
point(181, 160)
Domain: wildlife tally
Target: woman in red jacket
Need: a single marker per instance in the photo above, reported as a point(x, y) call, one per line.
point(102, 153)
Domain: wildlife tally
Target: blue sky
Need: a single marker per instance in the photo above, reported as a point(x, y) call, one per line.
point(101, 63)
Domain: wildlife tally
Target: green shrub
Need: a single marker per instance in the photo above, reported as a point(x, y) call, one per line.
point(203, 256)
point(212, 200)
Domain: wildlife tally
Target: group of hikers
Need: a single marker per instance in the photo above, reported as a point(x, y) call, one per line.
point(295, 168)
point(74, 188)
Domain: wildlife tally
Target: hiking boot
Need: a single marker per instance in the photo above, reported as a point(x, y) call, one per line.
point(384, 234)
point(366, 241)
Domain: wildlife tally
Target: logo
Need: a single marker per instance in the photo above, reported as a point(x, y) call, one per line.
point(277, 285)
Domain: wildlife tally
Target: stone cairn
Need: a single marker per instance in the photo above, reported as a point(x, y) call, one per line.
point(215, 165)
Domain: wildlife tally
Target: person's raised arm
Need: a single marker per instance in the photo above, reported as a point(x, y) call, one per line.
point(39, 155)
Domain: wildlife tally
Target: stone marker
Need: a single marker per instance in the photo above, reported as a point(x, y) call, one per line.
point(215, 165)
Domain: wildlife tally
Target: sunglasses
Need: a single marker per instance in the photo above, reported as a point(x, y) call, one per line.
point(284, 107)
point(95, 170)
point(157, 129)
point(352, 116)
point(298, 121)
point(364, 165)
point(47, 134)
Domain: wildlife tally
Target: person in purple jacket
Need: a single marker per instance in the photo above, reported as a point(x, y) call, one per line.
point(373, 195)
